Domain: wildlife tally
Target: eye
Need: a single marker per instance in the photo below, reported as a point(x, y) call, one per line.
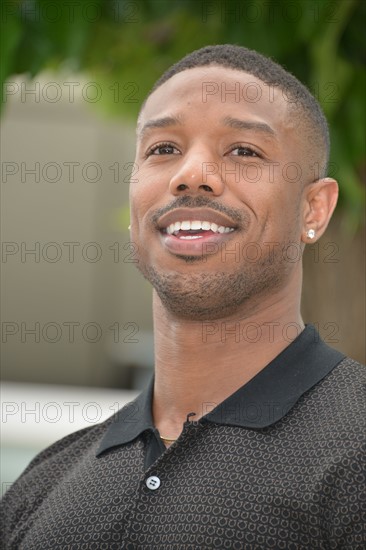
point(162, 149)
point(243, 151)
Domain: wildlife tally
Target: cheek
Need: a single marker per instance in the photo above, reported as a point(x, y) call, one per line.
point(150, 190)
point(141, 195)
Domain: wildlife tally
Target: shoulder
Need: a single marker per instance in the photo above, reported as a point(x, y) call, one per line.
point(74, 443)
point(52, 463)
point(335, 408)
point(343, 389)
point(47, 471)
point(347, 379)
point(351, 365)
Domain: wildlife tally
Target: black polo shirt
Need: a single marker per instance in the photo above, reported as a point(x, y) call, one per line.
point(278, 464)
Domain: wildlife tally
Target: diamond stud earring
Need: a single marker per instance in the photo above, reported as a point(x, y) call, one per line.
point(310, 233)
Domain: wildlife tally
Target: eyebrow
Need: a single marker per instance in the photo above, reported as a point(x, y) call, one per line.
point(231, 122)
point(238, 124)
point(159, 123)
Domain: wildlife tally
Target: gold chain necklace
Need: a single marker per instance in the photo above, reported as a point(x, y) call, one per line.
point(169, 439)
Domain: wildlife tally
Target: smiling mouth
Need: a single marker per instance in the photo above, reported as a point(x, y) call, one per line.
point(188, 232)
point(196, 223)
point(195, 229)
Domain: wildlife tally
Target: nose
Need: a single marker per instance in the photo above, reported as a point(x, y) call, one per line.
point(197, 174)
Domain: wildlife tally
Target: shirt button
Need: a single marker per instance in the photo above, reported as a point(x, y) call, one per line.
point(153, 483)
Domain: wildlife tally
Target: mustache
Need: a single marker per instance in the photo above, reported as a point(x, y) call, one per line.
point(241, 217)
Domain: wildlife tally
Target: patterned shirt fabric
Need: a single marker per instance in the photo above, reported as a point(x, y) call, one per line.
point(280, 464)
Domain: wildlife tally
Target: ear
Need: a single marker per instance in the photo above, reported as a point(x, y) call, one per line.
point(320, 199)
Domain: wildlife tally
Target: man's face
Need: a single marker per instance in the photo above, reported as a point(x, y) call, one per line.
point(216, 201)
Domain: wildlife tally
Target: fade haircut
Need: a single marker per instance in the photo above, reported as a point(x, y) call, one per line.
point(301, 102)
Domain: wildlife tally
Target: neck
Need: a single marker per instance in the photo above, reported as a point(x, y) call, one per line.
point(198, 364)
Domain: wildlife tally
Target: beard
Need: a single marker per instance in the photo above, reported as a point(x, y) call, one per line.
point(207, 295)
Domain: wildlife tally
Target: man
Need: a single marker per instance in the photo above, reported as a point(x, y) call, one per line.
point(249, 435)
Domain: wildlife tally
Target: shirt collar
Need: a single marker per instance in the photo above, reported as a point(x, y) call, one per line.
point(261, 402)
point(129, 422)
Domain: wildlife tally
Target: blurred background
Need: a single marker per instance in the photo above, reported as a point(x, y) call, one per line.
point(76, 314)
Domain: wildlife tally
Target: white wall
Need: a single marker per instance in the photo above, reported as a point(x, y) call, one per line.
point(96, 295)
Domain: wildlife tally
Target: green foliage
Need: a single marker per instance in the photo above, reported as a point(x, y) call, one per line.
point(125, 45)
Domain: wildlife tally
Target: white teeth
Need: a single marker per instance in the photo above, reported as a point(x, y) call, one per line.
point(196, 225)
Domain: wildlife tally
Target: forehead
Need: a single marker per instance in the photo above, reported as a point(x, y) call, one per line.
point(216, 89)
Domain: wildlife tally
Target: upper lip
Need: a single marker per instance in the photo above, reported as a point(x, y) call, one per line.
point(192, 214)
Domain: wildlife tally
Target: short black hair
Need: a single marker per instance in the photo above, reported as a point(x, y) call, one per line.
point(272, 74)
